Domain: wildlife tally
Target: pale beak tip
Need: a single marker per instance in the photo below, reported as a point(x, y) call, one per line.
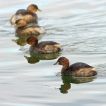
point(38, 10)
point(54, 64)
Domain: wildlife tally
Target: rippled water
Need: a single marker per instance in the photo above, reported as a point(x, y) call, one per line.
point(26, 80)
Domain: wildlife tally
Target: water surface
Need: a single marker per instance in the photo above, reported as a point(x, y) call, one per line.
point(79, 26)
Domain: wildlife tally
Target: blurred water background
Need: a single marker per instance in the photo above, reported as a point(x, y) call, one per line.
point(80, 27)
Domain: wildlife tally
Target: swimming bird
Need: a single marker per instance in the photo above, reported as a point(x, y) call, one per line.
point(28, 15)
point(24, 30)
point(44, 46)
point(78, 69)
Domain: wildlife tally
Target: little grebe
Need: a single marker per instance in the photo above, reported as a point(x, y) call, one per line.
point(78, 69)
point(22, 29)
point(28, 15)
point(44, 46)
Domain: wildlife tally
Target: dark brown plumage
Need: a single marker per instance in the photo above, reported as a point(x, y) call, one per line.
point(28, 15)
point(22, 29)
point(78, 69)
point(44, 46)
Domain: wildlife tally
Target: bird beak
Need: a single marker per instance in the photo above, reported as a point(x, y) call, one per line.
point(14, 40)
point(56, 63)
point(38, 10)
point(14, 25)
point(26, 57)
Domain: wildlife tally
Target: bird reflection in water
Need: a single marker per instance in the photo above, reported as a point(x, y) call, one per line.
point(67, 80)
point(34, 57)
point(21, 40)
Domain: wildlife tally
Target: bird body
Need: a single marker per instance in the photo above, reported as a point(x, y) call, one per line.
point(78, 69)
point(28, 15)
point(44, 46)
point(23, 29)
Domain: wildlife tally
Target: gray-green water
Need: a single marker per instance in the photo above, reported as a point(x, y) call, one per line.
point(79, 26)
